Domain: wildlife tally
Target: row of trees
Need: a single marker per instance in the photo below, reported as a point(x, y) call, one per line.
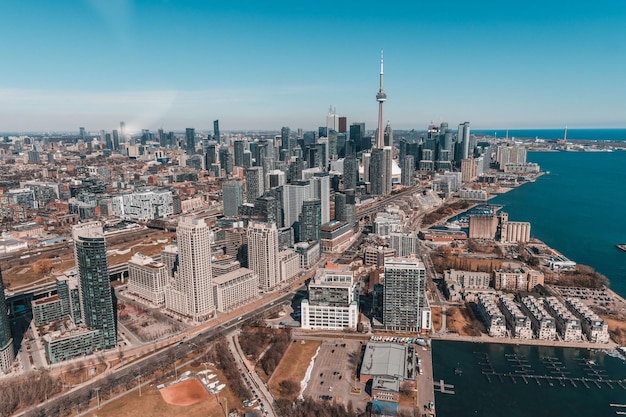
point(222, 357)
point(580, 276)
point(279, 344)
point(27, 390)
point(321, 408)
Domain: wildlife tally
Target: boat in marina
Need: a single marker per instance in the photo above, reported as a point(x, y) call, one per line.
point(453, 225)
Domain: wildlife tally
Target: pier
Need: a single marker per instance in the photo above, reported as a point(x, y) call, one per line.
point(562, 380)
point(443, 388)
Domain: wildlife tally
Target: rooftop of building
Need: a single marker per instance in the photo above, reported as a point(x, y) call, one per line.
point(222, 279)
point(385, 359)
point(333, 277)
point(144, 260)
point(385, 383)
point(46, 300)
point(332, 225)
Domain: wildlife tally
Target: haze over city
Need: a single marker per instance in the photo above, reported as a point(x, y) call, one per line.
point(259, 66)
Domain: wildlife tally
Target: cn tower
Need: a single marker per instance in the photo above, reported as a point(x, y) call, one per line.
point(380, 97)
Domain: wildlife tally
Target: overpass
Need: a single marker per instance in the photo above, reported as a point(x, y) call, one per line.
point(370, 210)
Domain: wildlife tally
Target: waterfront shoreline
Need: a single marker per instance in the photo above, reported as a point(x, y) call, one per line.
point(454, 337)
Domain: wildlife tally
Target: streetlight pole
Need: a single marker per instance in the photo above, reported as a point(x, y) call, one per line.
point(98, 396)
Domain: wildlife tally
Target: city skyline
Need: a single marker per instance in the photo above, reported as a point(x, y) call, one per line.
point(259, 68)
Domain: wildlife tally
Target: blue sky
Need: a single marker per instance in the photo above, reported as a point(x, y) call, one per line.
point(267, 64)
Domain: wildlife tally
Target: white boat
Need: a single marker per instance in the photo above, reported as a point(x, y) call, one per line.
point(453, 226)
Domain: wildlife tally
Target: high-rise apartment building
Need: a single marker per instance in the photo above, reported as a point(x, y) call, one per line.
point(293, 196)
point(380, 171)
point(7, 353)
point(255, 183)
point(405, 306)
point(232, 197)
point(350, 172)
point(406, 175)
point(96, 301)
point(263, 253)
point(239, 147)
point(320, 189)
point(310, 220)
point(190, 141)
point(226, 159)
point(191, 292)
point(463, 141)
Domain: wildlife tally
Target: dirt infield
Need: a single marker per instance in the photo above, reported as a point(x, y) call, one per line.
point(187, 392)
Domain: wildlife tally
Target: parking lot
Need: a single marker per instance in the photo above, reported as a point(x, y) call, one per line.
point(601, 300)
point(332, 378)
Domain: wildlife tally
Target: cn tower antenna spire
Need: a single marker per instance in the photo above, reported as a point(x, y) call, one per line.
point(380, 97)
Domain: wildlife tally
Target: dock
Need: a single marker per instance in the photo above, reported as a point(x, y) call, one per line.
point(575, 382)
point(443, 388)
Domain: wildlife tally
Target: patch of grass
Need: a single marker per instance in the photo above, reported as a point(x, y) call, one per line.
point(293, 365)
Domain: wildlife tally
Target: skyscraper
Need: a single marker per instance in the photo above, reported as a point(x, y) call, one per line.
point(263, 253)
point(350, 172)
point(96, 302)
point(284, 138)
point(232, 195)
point(380, 97)
point(83, 134)
point(357, 136)
point(310, 220)
point(293, 196)
point(191, 292)
point(216, 131)
point(380, 171)
point(255, 184)
point(116, 140)
point(388, 135)
point(320, 189)
point(6, 341)
point(190, 140)
point(406, 175)
point(210, 154)
point(405, 306)
point(226, 159)
point(332, 120)
point(343, 124)
point(239, 148)
point(463, 140)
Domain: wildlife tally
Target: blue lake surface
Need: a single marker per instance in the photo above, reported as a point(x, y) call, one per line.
point(579, 208)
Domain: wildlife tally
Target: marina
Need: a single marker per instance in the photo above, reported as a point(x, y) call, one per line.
point(498, 375)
